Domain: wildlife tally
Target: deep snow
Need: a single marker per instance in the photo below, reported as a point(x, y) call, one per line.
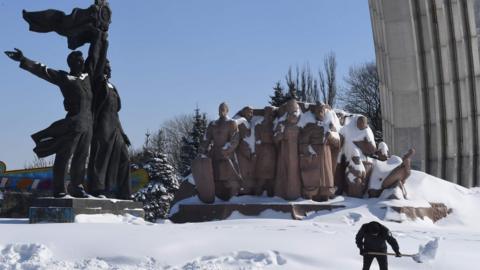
point(324, 240)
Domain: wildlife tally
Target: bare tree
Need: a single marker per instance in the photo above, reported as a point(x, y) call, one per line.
point(168, 140)
point(328, 80)
point(39, 163)
point(362, 95)
point(292, 83)
point(302, 85)
point(158, 141)
point(174, 130)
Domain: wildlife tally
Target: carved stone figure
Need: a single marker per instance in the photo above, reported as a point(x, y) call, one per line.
point(108, 167)
point(390, 172)
point(287, 183)
point(335, 139)
point(342, 116)
point(382, 152)
point(356, 137)
point(266, 154)
point(366, 144)
point(245, 153)
point(221, 140)
point(316, 157)
point(356, 176)
point(340, 182)
point(71, 136)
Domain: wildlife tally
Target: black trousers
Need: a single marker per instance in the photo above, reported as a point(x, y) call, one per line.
point(368, 259)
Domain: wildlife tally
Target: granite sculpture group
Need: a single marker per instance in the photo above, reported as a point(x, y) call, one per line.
point(91, 129)
point(297, 150)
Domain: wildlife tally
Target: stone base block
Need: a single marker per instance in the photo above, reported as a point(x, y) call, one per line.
point(209, 212)
point(51, 210)
point(435, 212)
point(16, 204)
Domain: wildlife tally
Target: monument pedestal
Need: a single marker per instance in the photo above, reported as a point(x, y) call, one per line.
point(64, 210)
point(209, 212)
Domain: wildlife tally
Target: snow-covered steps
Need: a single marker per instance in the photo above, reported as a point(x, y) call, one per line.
point(64, 210)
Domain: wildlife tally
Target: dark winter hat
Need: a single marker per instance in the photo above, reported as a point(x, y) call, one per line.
point(373, 228)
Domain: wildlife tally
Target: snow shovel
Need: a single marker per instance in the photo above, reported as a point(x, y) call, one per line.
point(415, 257)
point(425, 253)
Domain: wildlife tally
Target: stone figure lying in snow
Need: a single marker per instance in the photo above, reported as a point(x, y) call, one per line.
point(389, 173)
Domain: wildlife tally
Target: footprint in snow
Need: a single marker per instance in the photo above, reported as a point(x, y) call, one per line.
point(352, 218)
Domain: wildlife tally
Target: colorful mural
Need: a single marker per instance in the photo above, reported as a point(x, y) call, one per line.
point(40, 179)
point(3, 167)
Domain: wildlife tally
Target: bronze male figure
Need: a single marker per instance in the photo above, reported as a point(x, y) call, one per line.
point(69, 137)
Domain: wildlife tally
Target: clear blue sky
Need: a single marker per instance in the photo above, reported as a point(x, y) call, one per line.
point(168, 56)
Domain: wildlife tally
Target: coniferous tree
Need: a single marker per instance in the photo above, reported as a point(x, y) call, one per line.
point(159, 193)
point(278, 97)
point(191, 143)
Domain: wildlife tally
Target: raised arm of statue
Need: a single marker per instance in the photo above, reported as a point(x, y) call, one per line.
point(48, 74)
point(99, 69)
point(97, 57)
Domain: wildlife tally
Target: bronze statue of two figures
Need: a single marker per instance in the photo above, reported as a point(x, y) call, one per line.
point(91, 131)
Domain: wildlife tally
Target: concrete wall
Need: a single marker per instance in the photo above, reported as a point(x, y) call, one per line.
point(428, 63)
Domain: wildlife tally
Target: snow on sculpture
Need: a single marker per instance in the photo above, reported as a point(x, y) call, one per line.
point(296, 150)
point(287, 182)
point(266, 154)
point(245, 152)
point(356, 176)
point(317, 141)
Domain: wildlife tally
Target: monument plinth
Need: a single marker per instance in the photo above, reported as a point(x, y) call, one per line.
point(202, 212)
point(65, 210)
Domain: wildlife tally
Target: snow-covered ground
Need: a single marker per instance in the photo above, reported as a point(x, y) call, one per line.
point(323, 240)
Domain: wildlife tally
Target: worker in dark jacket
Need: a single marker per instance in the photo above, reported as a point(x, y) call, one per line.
point(372, 237)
